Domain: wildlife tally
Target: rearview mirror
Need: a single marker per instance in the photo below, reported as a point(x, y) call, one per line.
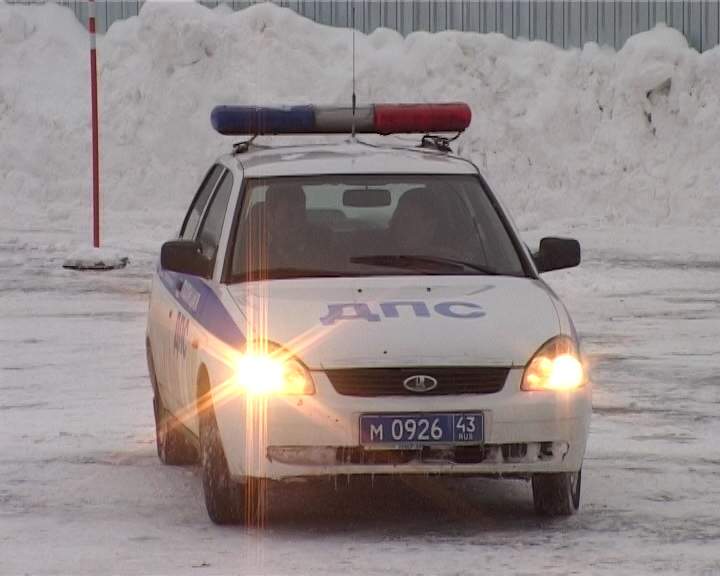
point(366, 197)
point(185, 256)
point(557, 253)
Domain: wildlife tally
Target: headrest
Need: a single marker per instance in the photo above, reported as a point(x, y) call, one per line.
point(425, 198)
point(286, 193)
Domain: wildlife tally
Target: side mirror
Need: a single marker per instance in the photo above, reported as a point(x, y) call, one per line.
point(185, 256)
point(557, 253)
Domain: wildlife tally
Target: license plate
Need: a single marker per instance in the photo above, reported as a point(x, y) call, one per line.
point(405, 430)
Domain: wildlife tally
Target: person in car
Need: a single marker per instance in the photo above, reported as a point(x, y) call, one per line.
point(428, 222)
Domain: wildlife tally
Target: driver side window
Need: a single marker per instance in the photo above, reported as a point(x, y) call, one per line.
point(211, 227)
point(192, 219)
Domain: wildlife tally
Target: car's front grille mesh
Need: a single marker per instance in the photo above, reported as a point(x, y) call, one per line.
point(390, 381)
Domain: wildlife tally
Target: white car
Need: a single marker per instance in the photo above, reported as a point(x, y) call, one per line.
point(348, 308)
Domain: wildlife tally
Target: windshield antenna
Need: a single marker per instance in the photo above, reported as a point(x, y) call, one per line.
point(354, 98)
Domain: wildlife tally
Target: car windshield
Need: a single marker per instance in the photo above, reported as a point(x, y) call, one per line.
point(369, 225)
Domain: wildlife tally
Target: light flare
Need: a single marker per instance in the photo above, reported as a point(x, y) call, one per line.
point(274, 373)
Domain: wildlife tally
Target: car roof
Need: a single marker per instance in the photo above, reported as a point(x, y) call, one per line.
point(349, 157)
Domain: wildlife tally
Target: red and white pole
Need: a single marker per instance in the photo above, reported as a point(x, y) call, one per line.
point(94, 261)
point(95, 137)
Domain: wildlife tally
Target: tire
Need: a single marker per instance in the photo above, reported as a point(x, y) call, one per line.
point(557, 495)
point(224, 497)
point(173, 446)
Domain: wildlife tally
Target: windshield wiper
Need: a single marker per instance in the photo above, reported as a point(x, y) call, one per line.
point(420, 262)
point(288, 272)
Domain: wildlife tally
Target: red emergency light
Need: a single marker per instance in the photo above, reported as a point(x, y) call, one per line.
point(421, 118)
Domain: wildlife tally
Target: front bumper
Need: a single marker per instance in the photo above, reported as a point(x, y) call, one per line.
point(286, 437)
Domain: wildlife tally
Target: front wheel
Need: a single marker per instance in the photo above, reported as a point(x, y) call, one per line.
point(557, 494)
point(227, 501)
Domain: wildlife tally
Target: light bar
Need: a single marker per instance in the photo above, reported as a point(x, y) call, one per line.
point(375, 119)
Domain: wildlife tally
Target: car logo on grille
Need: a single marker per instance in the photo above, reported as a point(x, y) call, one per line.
point(420, 383)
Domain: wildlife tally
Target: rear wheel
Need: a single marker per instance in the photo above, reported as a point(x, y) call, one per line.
point(173, 446)
point(557, 494)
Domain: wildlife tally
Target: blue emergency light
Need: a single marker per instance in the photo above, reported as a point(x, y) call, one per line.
point(375, 119)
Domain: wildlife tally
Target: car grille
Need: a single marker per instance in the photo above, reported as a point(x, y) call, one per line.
point(389, 381)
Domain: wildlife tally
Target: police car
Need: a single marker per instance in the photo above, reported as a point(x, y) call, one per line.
point(357, 309)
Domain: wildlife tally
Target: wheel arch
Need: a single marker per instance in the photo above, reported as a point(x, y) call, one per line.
point(203, 387)
point(151, 366)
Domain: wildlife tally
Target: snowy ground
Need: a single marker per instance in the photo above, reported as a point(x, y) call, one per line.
point(565, 138)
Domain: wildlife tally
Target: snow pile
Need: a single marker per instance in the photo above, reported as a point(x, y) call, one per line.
point(89, 258)
point(590, 136)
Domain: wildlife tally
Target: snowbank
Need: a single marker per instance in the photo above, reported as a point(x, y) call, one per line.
point(589, 136)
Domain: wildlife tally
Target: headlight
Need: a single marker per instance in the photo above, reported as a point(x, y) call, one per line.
point(268, 372)
point(556, 366)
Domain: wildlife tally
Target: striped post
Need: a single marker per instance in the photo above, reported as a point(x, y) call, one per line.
point(95, 144)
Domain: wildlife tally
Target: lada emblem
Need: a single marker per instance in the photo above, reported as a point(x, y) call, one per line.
point(420, 383)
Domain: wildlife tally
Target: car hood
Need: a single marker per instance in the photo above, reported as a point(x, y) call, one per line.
point(401, 320)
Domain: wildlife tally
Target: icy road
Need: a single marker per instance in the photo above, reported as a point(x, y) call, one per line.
point(82, 491)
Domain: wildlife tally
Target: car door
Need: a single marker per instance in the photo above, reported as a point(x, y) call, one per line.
point(208, 235)
point(167, 323)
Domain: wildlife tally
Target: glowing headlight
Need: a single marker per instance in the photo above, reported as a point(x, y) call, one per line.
point(556, 366)
point(271, 372)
